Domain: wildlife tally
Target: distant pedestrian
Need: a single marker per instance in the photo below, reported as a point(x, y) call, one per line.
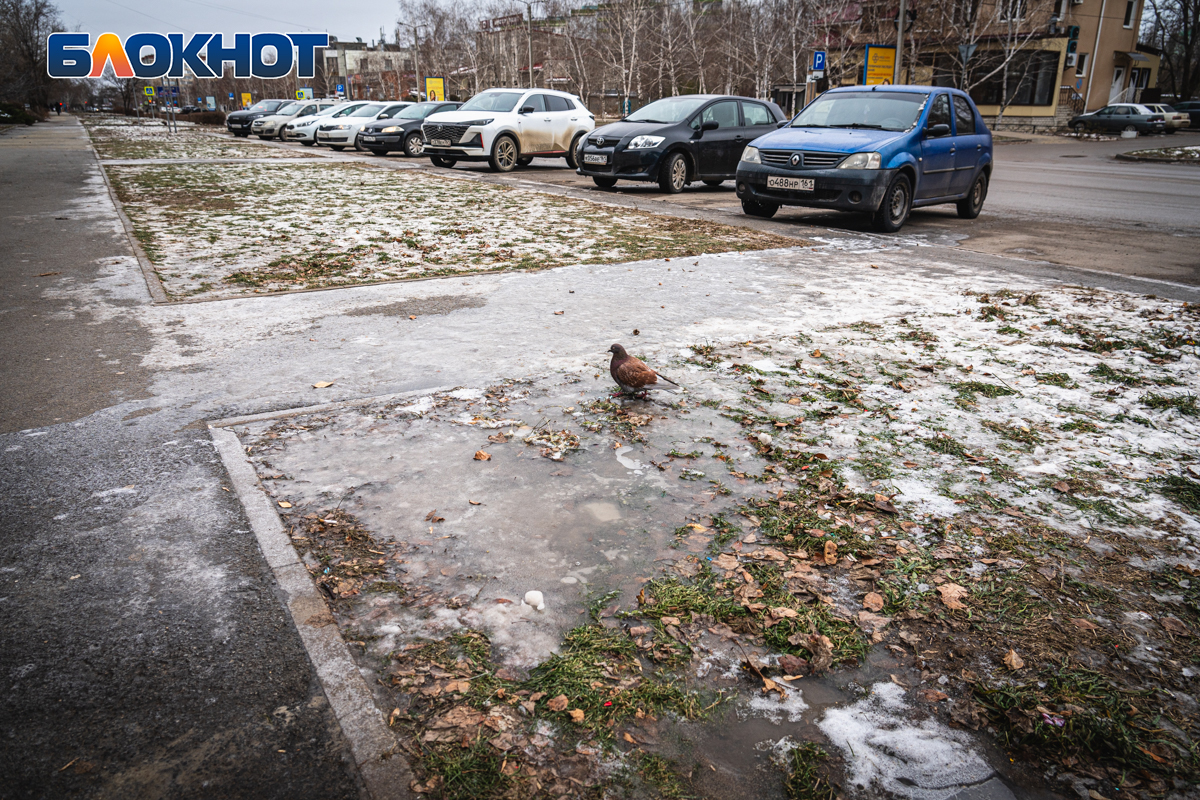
point(58, 109)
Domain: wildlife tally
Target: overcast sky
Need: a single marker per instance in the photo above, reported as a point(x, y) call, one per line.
point(345, 20)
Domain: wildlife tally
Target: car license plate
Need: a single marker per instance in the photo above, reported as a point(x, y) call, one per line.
point(595, 158)
point(368, 138)
point(793, 184)
point(440, 142)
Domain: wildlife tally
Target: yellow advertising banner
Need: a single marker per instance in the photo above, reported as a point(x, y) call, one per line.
point(246, 100)
point(879, 65)
point(435, 89)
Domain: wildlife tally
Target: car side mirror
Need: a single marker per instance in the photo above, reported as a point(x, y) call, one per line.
point(527, 110)
point(711, 125)
point(783, 123)
point(941, 129)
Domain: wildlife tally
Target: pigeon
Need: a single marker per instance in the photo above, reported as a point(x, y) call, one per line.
point(632, 374)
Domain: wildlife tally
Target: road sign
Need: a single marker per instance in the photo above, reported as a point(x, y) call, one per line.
point(341, 88)
point(965, 51)
point(148, 91)
point(304, 94)
point(231, 95)
point(818, 60)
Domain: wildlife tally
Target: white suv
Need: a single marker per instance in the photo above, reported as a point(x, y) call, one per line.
point(304, 129)
point(507, 128)
point(273, 125)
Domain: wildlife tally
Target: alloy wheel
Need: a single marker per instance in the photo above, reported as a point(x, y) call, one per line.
point(506, 153)
point(678, 174)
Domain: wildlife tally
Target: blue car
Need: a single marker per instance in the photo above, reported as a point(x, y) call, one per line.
point(879, 149)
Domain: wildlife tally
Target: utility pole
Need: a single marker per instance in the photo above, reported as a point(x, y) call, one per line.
point(529, 35)
point(901, 22)
point(416, 54)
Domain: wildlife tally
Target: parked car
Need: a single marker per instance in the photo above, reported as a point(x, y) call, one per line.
point(304, 129)
point(238, 122)
point(273, 126)
point(1120, 117)
point(1191, 108)
point(678, 140)
point(402, 132)
point(190, 110)
point(341, 133)
point(507, 128)
point(880, 149)
point(1173, 118)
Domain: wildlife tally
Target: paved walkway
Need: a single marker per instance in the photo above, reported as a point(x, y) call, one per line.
point(144, 652)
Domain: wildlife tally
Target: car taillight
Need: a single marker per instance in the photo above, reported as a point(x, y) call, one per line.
point(1156, 119)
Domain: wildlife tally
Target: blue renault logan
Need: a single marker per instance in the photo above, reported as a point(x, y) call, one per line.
point(879, 149)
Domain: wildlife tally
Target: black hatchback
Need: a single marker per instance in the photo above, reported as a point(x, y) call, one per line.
point(677, 140)
point(401, 132)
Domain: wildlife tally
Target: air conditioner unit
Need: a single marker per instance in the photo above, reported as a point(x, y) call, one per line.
point(1076, 2)
point(1072, 59)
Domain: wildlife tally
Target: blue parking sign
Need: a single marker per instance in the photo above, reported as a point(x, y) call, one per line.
point(341, 87)
point(818, 60)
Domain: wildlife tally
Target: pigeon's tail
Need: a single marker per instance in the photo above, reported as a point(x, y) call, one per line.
point(665, 378)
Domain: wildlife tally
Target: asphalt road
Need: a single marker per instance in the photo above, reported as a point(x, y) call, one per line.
point(143, 651)
point(1052, 199)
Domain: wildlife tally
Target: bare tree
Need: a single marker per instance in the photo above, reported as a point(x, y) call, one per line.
point(24, 28)
point(1173, 27)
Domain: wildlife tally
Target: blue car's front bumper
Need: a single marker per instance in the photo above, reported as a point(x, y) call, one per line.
point(843, 189)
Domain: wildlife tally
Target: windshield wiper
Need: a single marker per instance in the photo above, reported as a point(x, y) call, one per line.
point(655, 121)
point(859, 125)
point(806, 125)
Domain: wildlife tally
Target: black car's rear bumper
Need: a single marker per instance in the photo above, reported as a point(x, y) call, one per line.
point(843, 189)
point(630, 165)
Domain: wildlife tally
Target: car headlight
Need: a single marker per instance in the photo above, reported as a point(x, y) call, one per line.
point(644, 142)
point(750, 155)
point(862, 161)
point(477, 123)
point(340, 128)
point(391, 129)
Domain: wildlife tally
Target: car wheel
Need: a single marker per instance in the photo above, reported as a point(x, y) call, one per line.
point(524, 161)
point(307, 143)
point(505, 154)
point(575, 152)
point(764, 210)
point(970, 206)
point(897, 202)
point(672, 174)
point(604, 183)
point(713, 182)
point(1128, 128)
point(1077, 127)
point(438, 161)
point(338, 147)
point(414, 145)
point(378, 151)
point(281, 137)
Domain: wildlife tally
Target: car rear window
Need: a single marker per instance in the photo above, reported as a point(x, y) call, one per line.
point(964, 116)
point(757, 114)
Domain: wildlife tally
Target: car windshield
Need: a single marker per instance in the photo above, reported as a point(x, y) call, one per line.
point(266, 105)
point(345, 111)
point(669, 109)
point(492, 101)
point(290, 108)
point(369, 110)
point(885, 111)
point(418, 111)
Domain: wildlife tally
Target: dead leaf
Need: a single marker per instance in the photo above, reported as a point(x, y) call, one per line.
point(821, 649)
point(1085, 625)
point(952, 595)
point(284, 504)
point(498, 438)
point(771, 686)
point(475, 502)
point(1013, 661)
point(433, 517)
point(322, 384)
point(896, 680)
point(726, 561)
point(425, 788)
point(933, 695)
point(816, 353)
point(558, 703)
point(1175, 626)
point(559, 314)
point(576, 715)
point(503, 600)
point(884, 504)
point(629, 738)
point(640, 630)
point(1062, 486)
point(795, 401)
point(793, 665)
point(482, 456)
point(873, 601)
point(830, 553)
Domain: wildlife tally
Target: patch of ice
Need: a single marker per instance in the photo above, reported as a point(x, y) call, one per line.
point(886, 751)
point(109, 492)
point(766, 365)
point(774, 707)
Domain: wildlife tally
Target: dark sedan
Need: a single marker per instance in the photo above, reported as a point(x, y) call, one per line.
point(677, 140)
point(1120, 117)
point(238, 123)
point(402, 132)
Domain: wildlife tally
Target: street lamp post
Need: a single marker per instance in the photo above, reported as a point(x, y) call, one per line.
point(416, 54)
point(529, 4)
point(901, 22)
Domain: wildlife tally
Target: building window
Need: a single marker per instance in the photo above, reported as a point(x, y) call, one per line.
point(1012, 10)
point(1032, 78)
point(1081, 65)
point(1130, 6)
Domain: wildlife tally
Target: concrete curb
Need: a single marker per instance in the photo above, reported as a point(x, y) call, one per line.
point(157, 293)
point(336, 405)
point(1152, 160)
point(384, 771)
